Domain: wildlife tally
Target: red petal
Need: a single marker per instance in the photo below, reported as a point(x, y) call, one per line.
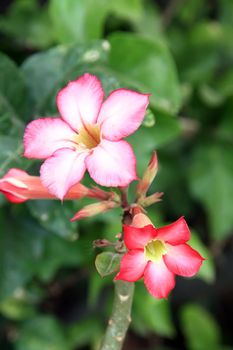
point(175, 233)
point(183, 260)
point(132, 266)
point(137, 238)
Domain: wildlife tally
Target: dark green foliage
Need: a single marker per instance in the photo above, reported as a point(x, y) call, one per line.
point(51, 297)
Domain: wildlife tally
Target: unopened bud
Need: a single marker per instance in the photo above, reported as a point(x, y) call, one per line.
point(148, 177)
point(94, 209)
point(141, 220)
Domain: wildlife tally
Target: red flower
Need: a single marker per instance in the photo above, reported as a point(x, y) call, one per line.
point(158, 255)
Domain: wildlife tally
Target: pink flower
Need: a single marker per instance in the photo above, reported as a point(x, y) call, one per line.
point(18, 187)
point(158, 255)
point(87, 136)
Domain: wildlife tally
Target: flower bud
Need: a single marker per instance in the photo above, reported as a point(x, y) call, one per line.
point(148, 177)
point(18, 186)
point(94, 209)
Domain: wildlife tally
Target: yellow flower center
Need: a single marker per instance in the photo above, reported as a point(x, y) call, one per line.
point(89, 136)
point(154, 250)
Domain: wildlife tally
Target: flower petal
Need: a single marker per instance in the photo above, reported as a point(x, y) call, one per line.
point(80, 101)
point(158, 279)
point(44, 136)
point(112, 164)
point(132, 266)
point(62, 170)
point(122, 113)
point(183, 260)
point(137, 238)
point(175, 233)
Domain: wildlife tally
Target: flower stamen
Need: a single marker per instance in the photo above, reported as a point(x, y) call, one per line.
point(154, 250)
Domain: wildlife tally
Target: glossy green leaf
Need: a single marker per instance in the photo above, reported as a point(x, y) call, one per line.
point(21, 247)
point(149, 67)
point(78, 20)
point(211, 183)
point(47, 72)
point(107, 263)
point(200, 328)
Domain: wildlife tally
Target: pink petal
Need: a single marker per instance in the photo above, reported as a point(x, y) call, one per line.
point(62, 170)
point(80, 101)
point(141, 220)
point(132, 266)
point(175, 233)
point(183, 260)
point(137, 238)
point(158, 279)
point(122, 113)
point(112, 164)
point(43, 137)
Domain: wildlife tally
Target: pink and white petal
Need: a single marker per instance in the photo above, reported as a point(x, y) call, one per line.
point(62, 170)
point(112, 164)
point(80, 101)
point(42, 137)
point(122, 113)
point(132, 266)
point(137, 238)
point(175, 233)
point(141, 220)
point(183, 260)
point(158, 279)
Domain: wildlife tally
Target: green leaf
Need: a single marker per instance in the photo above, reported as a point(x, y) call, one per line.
point(21, 247)
point(83, 20)
point(200, 328)
point(107, 263)
point(13, 108)
point(147, 65)
point(42, 332)
point(47, 72)
point(55, 216)
point(211, 183)
point(18, 306)
point(207, 271)
point(150, 314)
point(59, 253)
point(78, 20)
point(165, 130)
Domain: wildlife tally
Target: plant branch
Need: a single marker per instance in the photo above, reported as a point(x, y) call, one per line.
point(120, 319)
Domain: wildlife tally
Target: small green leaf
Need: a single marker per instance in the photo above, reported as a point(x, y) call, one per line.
point(107, 263)
point(200, 328)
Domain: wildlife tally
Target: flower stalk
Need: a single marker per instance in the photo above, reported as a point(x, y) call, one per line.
point(121, 316)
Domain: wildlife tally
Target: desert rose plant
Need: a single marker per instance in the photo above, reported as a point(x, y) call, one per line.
point(89, 135)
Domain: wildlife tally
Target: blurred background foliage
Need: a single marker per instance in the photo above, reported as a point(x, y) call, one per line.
point(51, 297)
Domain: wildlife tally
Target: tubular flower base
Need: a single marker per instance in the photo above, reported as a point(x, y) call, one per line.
point(87, 136)
point(18, 187)
point(158, 255)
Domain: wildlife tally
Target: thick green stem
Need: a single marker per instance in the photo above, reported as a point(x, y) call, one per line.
point(121, 316)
